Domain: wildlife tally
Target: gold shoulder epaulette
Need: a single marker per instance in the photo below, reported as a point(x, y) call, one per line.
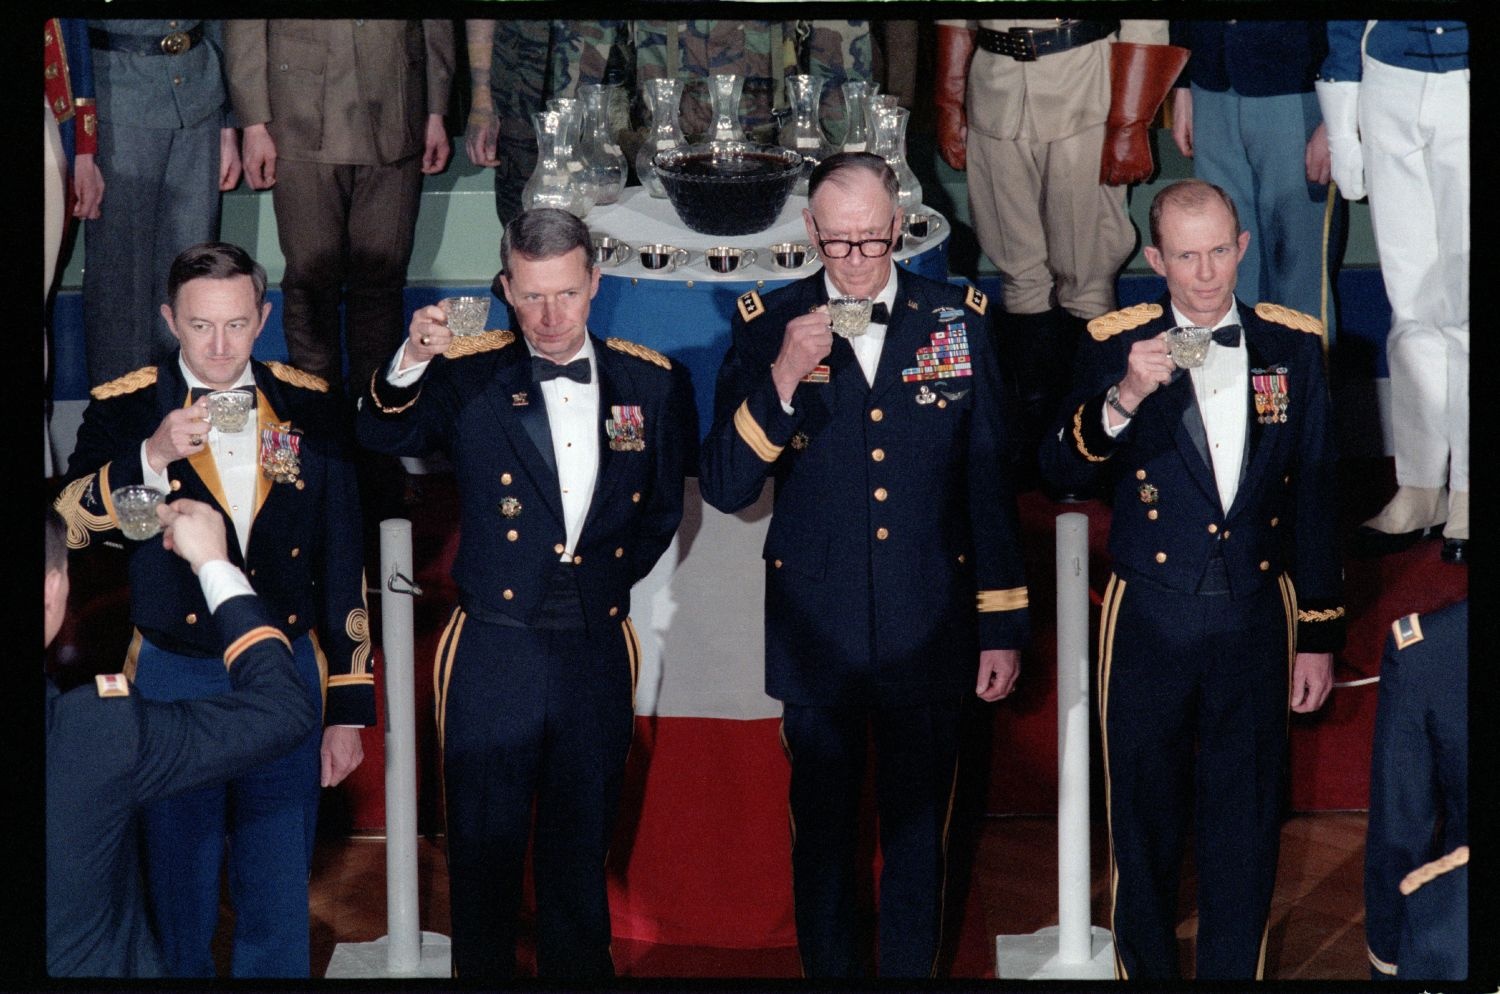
point(1407, 630)
point(296, 377)
point(466, 345)
point(639, 351)
point(1106, 326)
point(1292, 319)
point(975, 299)
point(129, 383)
point(751, 306)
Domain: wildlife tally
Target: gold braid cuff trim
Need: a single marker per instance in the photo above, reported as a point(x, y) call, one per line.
point(1106, 326)
point(357, 627)
point(638, 351)
point(1329, 614)
point(296, 377)
point(384, 407)
point(79, 520)
point(129, 383)
point(467, 345)
point(1013, 599)
point(1083, 449)
point(253, 637)
point(1429, 872)
point(351, 679)
point(754, 435)
point(1295, 320)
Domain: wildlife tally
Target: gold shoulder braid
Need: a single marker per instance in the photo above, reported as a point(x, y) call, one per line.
point(1295, 320)
point(750, 306)
point(639, 351)
point(975, 299)
point(1106, 326)
point(296, 377)
point(466, 345)
point(129, 383)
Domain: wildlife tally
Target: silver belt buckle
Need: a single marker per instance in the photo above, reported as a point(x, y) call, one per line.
point(1026, 38)
point(176, 43)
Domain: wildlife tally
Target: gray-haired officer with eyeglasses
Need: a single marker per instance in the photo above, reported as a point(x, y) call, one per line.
point(894, 586)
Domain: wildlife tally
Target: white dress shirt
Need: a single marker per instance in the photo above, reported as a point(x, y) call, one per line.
point(236, 455)
point(573, 418)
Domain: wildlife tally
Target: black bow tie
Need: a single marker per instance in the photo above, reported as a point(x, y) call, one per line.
point(196, 393)
point(543, 370)
point(880, 314)
point(1228, 336)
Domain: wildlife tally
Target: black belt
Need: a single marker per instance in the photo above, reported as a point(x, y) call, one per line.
point(1030, 44)
point(173, 44)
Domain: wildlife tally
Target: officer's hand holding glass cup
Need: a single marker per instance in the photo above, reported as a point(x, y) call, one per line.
point(135, 508)
point(1188, 345)
point(229, 410)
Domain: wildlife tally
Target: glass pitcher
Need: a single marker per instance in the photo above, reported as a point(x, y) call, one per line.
point(552, 184)
point(802, 130)
point(724, 92)
point(857, 97)
point(603, 162)
point(663, 99)
point(889, 141)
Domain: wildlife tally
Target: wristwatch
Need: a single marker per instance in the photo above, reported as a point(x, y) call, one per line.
point(1112, 398)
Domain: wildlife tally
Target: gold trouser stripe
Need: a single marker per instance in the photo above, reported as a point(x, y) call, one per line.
point(1289, 606)
point(253, 636)
point(1109, 613)
point(322, 659)
point(633, 650)
point(442, 670)
point(1389, 969)
point(943, 888)
point(132, 656)
point(1010, 599)
point(791, 820)
point(1260, 961)
point(754, 435)
point(1323, 288)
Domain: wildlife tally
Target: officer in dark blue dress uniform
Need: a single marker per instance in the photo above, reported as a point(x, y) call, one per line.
point(286, 490)
point(1419, 802)
point(1227, 582)
point(570, 456)
point(109, 753)
point(893, 564)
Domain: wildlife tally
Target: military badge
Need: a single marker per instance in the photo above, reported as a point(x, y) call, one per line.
point(112, 685)
point(1148, 493)
point(945, 356)
point(1271, 395)
point(953, 394)
point(519, 399)
point(819, 374)
point(510, 507)
point(280, 453)
point(800, 441)
point(626, 428)
point(947, 315)
point(925, 396)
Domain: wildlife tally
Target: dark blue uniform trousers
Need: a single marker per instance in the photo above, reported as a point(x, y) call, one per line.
point(270, 817)
point(1193, 704)
point(529, 713)
point(916, 753)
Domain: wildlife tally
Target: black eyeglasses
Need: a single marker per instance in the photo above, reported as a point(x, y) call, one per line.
point(839, 248)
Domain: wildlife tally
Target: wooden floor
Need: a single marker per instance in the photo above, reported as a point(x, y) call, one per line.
point(1316, 928)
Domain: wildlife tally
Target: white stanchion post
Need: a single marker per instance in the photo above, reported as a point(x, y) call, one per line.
point(405, 950)
point(1073, 949)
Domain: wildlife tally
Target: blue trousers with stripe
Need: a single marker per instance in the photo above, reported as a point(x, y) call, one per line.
point(532, 716)
point(268, 817)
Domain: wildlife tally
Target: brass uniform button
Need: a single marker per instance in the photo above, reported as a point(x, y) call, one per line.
point(291, 619)
point(877, 414)
point(613, 611)
point(942, 403)
point(296, 552)
point(778, 564)
point(508, 593)
point(960, 557)
point(192, 619)
point(1225, 536)
point(1161, 557)
point(1264, 565)
point(1140, 474)
point(878, 455)
point(252, 572)
point(512, 535)
point(1213, 529)
point(1275, 522)
point(635, 498)
point(881, 494)
point(505, 479)
point(577, 560)
point(1151, 514)
point(620, 552)
point(559, 548)
point(301, 484)
point(176, 485)
point(882, 534)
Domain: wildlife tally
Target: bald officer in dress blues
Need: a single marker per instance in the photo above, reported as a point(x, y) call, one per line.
point(109, 752)
point(893, 570)
point(1226, 584)
point(570, 453)
point(1419, 802)
point(286, 490)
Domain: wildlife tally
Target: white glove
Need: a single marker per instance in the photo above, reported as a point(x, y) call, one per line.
point(1340, 105)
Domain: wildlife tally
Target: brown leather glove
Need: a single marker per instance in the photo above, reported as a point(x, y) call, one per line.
point(955, 46)
point(1140, 78)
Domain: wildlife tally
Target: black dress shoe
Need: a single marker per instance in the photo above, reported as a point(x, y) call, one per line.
point(1456, 551)
point(1370, 542)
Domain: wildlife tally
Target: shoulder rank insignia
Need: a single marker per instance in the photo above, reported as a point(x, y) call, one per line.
point(638, 351)
point(129, 383)
point(112, 685)
point(466, 345)
point(975, 300)
point(1407, 630)
point(1106, 326)
point(750, 306)
point(296, 377)
point(1296, 320)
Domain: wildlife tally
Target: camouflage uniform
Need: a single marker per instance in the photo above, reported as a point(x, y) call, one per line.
point(534, 61)
point(765, 53)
